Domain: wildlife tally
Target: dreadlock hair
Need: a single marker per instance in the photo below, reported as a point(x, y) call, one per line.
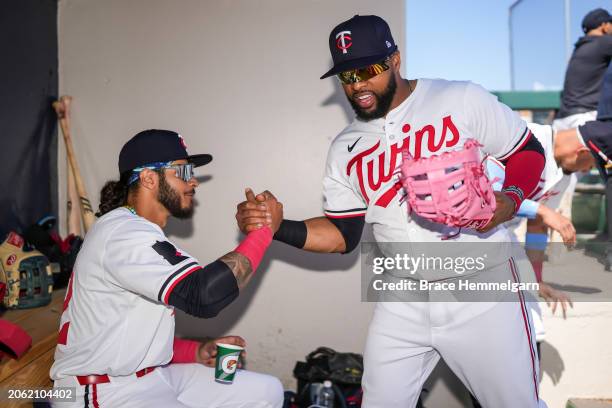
point(114, 194)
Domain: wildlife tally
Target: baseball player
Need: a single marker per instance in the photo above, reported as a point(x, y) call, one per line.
point(581, 91)
point(116, 342)
point(566, 154)
point(489, 345)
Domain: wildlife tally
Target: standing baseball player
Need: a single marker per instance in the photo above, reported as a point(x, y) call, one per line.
point(116, 343)
point(489, 345)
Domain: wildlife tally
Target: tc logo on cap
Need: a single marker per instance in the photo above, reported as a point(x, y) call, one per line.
point(344, 41)
point(182, 141)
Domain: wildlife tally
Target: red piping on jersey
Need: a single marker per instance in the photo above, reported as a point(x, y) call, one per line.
point(62, 337)
point(345, 216)
point(183, 276)
point(527, 329)
point(68, 294)
point(527, 135)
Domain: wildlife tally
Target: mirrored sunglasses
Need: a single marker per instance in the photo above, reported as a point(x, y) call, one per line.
point(183, 171)
point(363, 74)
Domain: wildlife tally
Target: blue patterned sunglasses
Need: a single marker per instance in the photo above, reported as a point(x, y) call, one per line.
point(183, 171)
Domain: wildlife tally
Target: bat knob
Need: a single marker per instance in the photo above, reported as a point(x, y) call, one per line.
point(59, 109)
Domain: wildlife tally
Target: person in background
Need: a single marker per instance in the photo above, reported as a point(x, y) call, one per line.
point(581, 91)
point(585, 71)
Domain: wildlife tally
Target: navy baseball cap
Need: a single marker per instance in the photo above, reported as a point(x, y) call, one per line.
point(155, 145)
point(359, 42)
point(597, 135)
point(595, 18)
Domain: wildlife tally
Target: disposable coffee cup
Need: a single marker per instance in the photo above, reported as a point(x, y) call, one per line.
point(227, 362)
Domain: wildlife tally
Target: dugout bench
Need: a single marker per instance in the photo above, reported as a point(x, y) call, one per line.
point(32, 369)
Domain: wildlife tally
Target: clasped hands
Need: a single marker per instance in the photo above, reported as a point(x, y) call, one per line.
point(259, 210)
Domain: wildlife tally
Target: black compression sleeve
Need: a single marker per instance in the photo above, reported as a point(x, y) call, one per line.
point(292, 232)
point(205, 292)
point(351, 229)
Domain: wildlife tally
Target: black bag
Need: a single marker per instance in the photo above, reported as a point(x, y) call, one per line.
point(344, 370)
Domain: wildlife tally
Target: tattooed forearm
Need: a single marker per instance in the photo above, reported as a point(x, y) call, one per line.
point(240, 266)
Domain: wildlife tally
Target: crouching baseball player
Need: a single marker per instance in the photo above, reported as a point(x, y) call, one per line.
point(566, 153)
point(441, 128)
point(116, 343)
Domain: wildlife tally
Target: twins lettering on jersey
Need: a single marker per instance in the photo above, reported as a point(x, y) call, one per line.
point(373, 171)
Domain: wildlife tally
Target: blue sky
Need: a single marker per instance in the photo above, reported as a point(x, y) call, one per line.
point(469, 39)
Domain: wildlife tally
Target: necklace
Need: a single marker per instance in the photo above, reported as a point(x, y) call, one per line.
point(131, 209)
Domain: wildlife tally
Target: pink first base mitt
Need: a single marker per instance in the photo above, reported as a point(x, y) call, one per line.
point(451, 188)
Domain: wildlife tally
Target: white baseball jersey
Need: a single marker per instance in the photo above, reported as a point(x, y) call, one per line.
point(116, 318)
point(406, 339)
point(363, 160)
point(552, 184)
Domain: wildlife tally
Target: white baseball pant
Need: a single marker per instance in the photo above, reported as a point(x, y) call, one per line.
point(490, 346)
point(178, 386)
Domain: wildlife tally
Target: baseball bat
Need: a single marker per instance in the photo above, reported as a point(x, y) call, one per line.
point(73, 210)
point(86, 209)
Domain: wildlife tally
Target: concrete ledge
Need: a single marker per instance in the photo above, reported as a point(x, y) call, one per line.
point(589, 403)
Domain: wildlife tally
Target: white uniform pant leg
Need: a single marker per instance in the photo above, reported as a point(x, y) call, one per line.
point(526, 273)
point(493, 353)
point(195, 386)
point(150, 390)
point(398, 356)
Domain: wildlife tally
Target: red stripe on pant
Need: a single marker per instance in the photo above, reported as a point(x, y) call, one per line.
point(527, 329)
point(95, 396)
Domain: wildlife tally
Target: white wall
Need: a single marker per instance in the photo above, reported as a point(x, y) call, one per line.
point(238, 79)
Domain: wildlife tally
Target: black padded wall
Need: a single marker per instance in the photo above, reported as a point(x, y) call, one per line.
point(28, 85)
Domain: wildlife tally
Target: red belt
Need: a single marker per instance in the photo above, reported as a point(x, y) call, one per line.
point(101, 379)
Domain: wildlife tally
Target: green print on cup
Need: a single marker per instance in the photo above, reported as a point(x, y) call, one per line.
point(227, 362)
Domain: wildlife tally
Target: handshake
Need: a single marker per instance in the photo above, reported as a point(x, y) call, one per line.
point(258, 211)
